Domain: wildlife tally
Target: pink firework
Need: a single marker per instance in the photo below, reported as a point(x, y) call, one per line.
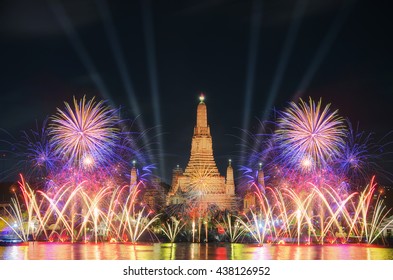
point(86, 134)
point(309, 135)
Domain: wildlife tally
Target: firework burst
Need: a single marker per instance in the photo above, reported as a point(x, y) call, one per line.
point(309, 135)
point(85, 134)
point(39, 156)
point(355, 158)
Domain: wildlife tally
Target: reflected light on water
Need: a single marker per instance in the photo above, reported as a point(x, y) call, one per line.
point(221, 253)
point(191, 251)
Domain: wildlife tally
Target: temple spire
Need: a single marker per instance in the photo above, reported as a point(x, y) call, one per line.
point(230, 182)
point(201, 112)
point(133, 175)
point(261, 178)
point(201, 145)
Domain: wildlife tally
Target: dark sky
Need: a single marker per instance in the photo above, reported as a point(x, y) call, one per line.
point(240, 53)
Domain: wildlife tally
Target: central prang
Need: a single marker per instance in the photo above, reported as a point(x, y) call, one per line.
point(201, 184)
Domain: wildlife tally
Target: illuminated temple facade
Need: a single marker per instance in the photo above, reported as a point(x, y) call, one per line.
point(201, 183)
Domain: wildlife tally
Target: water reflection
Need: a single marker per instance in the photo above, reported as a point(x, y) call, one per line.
point(191, 251)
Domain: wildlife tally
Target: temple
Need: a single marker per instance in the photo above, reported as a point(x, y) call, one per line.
point(250, 197)
point(201, 183)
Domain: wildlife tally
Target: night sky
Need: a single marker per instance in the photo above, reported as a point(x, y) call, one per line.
point(247, 56)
